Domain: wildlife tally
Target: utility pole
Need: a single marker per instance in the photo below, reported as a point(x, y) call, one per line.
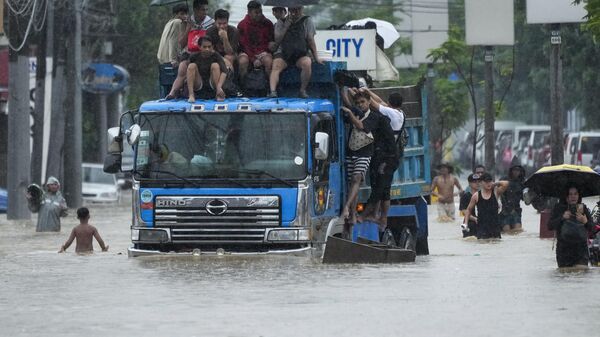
point(48, 88)
point(54, 165)
point(556, 125)
point(434, 129)
point(490, 113)
point(101, 126)
point(18, 125)
point(73, 123)
point(38, 111)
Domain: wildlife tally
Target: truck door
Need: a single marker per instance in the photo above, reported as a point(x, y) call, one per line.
point(326, 186)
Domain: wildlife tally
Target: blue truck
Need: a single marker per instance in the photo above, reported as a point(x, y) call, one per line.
point(259, 175)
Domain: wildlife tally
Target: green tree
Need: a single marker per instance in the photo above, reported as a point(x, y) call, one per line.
point(593, 16)
point(139, 27)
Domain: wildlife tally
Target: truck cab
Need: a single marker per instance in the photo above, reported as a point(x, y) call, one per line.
point(257, 175)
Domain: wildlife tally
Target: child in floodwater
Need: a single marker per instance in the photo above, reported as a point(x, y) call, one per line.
point(84, 233)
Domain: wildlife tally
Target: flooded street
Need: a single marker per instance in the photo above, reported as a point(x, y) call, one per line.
point(464, 288)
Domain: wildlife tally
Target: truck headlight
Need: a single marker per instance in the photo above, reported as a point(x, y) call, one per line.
point(135, 235)
point(152, 235)
point(289, 235)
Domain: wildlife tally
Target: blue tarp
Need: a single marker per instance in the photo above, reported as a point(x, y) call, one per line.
point(3, 200)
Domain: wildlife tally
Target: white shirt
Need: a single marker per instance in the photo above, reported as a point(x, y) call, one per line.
point(396, 116)
point(168, 49)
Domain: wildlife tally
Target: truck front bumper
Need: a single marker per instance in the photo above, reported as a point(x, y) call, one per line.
point(135, 252)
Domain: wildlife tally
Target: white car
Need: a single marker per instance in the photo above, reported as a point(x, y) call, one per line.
point(581, 147)
point(98, 186)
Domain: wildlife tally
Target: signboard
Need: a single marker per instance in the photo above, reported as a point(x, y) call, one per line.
point(489, 22)
point(104, 78)
point(429, 28)
point(554, 11)
point(428, 17)
point(356, 47)
point(423, 42)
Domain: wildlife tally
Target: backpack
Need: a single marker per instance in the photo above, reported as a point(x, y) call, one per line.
point(256, 83)
point(294, 45)
point(402, 137)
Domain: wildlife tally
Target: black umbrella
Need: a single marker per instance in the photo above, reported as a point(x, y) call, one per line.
point(164, 2)
point(553, 181)
point(288, 3)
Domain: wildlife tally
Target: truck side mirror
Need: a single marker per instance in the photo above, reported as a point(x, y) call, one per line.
point(321, 146)
point(115, 144)
point(133, 134)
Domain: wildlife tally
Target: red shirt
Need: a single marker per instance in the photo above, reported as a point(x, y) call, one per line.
point(255, 36)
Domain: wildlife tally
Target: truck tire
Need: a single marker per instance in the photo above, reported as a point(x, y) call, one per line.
point(387, 238)
point(406, 239)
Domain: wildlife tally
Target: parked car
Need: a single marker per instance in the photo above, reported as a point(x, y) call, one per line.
point(538, 141)
point(581, 147)
point(528, 142)
point(502, 131)
point(98, 186)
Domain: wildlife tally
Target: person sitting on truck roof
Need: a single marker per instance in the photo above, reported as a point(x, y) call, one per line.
point(225, 37)
point(206, 72)
point(199, 21)
point(256, 31)
point(294, 38)
point(360, 146)
point(279, 13)
point(169, 48)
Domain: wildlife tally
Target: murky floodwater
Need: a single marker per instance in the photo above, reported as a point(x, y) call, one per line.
point(464, 288)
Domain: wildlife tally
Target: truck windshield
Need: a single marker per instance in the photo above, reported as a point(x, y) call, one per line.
point(249, 146)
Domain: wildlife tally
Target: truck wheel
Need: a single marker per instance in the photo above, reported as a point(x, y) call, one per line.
point(387, 238)
point(407, 239)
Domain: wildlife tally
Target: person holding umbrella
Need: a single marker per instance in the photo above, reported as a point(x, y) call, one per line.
point(572, 222)
point(570, 219)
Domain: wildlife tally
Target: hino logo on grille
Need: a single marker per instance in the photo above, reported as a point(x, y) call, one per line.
point(172, 203)
point(216, 207)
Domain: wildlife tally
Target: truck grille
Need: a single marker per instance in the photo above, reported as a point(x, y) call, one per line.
point(217, 219)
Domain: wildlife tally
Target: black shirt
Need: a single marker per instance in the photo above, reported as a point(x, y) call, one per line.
point(204, 62)
point(385, 142)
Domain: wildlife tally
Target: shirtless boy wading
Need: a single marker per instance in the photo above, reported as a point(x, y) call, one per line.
point(84, 233)
point(445, 183)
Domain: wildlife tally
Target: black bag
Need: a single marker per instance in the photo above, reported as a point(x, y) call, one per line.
point(229, 87)
point(256, 83)
point(345, 78)
point(294, 45)
point(573, 231)
point(402, 138)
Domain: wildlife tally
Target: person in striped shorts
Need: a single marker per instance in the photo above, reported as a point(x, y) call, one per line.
point(360, 118)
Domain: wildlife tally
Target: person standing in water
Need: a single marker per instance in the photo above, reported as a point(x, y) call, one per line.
point(445, 183)
point(51, 207)
point(84, 232)
point(486, 201)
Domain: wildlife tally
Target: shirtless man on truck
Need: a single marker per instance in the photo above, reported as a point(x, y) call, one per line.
point(445, 183)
